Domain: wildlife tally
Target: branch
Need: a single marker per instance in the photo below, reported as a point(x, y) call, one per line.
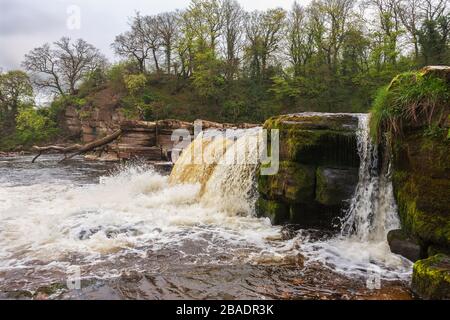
point(77, 149)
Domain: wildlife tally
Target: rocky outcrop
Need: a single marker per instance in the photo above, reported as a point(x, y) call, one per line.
point(421, 181)
point(149, 140)
point(318, 170)
point(431, 277)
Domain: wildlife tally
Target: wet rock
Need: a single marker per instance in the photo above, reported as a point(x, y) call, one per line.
point(318, 170)
point(406, 246)
point(317, 139)
point(294, 183)
point(431, 277)
point(277, 212)
point(335, 185)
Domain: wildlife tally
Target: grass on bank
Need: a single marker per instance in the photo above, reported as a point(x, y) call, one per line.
point(413, 99)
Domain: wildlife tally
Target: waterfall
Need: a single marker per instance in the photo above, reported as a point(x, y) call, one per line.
point(361, 248)
point(224, 164)
point(373, 211)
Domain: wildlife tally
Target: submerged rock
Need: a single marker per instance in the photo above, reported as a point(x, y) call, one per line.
point(318, 169)
point(431, 277)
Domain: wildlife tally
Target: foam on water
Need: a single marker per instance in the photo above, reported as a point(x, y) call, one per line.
point(133, 208)
point(137, 209)
point(362, 246)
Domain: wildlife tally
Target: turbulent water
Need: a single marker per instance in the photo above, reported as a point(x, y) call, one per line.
point(133, 232)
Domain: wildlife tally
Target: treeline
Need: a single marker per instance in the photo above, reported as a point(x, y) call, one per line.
point(218, 61)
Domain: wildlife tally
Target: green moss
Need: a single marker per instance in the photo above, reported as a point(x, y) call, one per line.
point(431, 277)
point(277, 212)
point(423, 207)
point(294, 183)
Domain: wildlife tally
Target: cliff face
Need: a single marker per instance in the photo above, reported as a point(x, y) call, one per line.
point(318, 170)
point(99, 117)
point(421, 180)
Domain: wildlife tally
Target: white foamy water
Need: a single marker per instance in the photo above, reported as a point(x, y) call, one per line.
point(134, 208)
point(205, 212)
point(362, 246)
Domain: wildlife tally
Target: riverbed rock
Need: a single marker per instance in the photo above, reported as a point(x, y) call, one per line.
point(404, 245)
point(431, 277)
point(318, 170)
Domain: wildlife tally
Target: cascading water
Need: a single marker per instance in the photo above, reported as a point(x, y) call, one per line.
point(201, 217)
point(373, 211)
point(225, 167)
point(362, 245)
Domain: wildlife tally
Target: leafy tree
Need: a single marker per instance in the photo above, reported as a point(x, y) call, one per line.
point(15, 92)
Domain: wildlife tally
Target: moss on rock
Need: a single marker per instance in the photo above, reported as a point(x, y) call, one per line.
point(294, 183)
point(277, 212)
point(431, 277)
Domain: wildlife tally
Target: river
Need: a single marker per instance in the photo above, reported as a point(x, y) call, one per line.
point(131, 232)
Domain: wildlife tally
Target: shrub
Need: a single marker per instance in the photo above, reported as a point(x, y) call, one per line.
point(34, 126)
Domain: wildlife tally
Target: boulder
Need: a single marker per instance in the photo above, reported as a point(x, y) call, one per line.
point(317, 139)
point(404, 245)
point(294, 183)
point(431, 277)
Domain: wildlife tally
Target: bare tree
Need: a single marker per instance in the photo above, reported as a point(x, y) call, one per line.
point(168, 29)
point(434, 9)
point(140, 42)
point(62, 67)
point(233, 16)
point(147, 28)
point(411, 16)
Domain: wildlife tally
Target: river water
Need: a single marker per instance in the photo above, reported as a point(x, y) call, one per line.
point(132, 232)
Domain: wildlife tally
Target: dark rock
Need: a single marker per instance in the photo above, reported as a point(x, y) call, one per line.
point(318, 170)
point(431, 277)
point(335, 185)
point(315, 216)
point(294, 183)
point(406, 246)
point(277, 212)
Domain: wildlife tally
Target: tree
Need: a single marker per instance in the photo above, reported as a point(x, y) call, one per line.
point(16, 92)
point(139, 42)
point(168, 29)
point(264, 34)
point(433, 39)
point(62, 68)
point(233, 15)
point(299, 39)
point(206, 21)
point(411, 15)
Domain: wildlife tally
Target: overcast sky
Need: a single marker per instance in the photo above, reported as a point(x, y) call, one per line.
point(26, 24)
